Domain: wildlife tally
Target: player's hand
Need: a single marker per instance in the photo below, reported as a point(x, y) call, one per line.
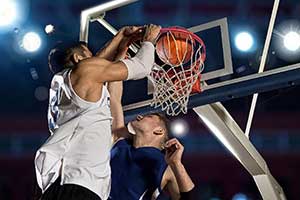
point(129, 31)
point(151, 33)
point(132, 33)
point(174, 150)
point(129, 35)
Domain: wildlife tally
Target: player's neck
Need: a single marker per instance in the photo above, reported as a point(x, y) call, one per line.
point(143, 141)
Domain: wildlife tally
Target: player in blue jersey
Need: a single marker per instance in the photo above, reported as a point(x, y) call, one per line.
point(140, 169)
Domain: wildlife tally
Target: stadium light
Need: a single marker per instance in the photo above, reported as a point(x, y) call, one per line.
point(179, 128)
point(8, 12)
point(291, 41)
point(31, 42)
point(244, 41)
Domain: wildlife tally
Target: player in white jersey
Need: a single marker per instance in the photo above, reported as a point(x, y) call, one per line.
point(68, 165)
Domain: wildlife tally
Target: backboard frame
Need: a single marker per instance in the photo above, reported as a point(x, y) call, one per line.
point(227, 69)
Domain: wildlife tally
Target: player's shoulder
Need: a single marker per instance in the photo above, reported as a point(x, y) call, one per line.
point(122, 142)
point(91, 67)
point(93, 62)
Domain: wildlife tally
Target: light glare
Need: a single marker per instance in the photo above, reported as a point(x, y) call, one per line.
point(179, 128)
point(291, 41)
point(31, 42)
point(8, 12)
point(244, 41)
point(49, 29)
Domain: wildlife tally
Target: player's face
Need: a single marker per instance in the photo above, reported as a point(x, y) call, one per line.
point(146, 124)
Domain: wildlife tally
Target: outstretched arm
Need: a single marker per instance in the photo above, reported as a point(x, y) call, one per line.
point(178, 182)
point(118, 125)
point(116, 88)
point(111, 50)
point(101, 70)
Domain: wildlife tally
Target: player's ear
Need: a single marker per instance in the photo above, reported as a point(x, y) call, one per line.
point(77, 57)
point(159, 131)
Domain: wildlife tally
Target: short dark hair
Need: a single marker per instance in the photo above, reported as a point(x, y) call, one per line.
point(61, 56)
point(68, 61)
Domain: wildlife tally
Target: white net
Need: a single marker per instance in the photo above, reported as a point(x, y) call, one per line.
point(182, 61)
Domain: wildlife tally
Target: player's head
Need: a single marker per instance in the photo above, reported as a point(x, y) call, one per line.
point(75, 54)
point(154, 126)
point(67, 56)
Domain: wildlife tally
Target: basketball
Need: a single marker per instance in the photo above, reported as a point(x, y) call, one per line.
point(174, 48)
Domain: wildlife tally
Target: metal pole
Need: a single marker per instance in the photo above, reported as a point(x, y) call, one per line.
point(94, 12)
point(262, 63)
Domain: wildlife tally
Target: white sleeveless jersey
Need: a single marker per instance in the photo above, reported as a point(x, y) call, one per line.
point(78, 149)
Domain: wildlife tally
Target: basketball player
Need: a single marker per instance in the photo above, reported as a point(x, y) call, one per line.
point(139, 168)
point(73, 163)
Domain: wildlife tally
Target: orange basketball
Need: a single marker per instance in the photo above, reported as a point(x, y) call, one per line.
point(174, 48)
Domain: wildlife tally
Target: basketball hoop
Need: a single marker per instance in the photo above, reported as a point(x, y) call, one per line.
point(177, 73)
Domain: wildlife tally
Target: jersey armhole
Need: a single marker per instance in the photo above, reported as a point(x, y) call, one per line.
point(118, 141)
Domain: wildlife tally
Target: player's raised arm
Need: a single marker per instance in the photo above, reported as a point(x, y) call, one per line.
point(111, 51)
point(130, 34)
point(179, 183)
point(115, 89)
point(102, 70)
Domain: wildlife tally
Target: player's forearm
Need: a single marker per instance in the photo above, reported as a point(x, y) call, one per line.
point(116, 90)
point(184, 181)
point(110, 50)
point(118, 125)
point(141, 64)
point(117, 114)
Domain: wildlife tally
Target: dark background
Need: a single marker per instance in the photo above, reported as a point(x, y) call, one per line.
point(25, 78)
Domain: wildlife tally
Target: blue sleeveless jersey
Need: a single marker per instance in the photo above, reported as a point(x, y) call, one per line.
point(136, 172)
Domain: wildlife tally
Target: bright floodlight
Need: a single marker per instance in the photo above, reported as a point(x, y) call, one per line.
point(179, 128)
point(31, 42)
point(244, 41)
point(49, 29)
point(8, 12)
point(291, 41)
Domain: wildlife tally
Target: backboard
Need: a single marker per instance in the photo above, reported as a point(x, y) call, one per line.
point(265, 56)
point(229, 72)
